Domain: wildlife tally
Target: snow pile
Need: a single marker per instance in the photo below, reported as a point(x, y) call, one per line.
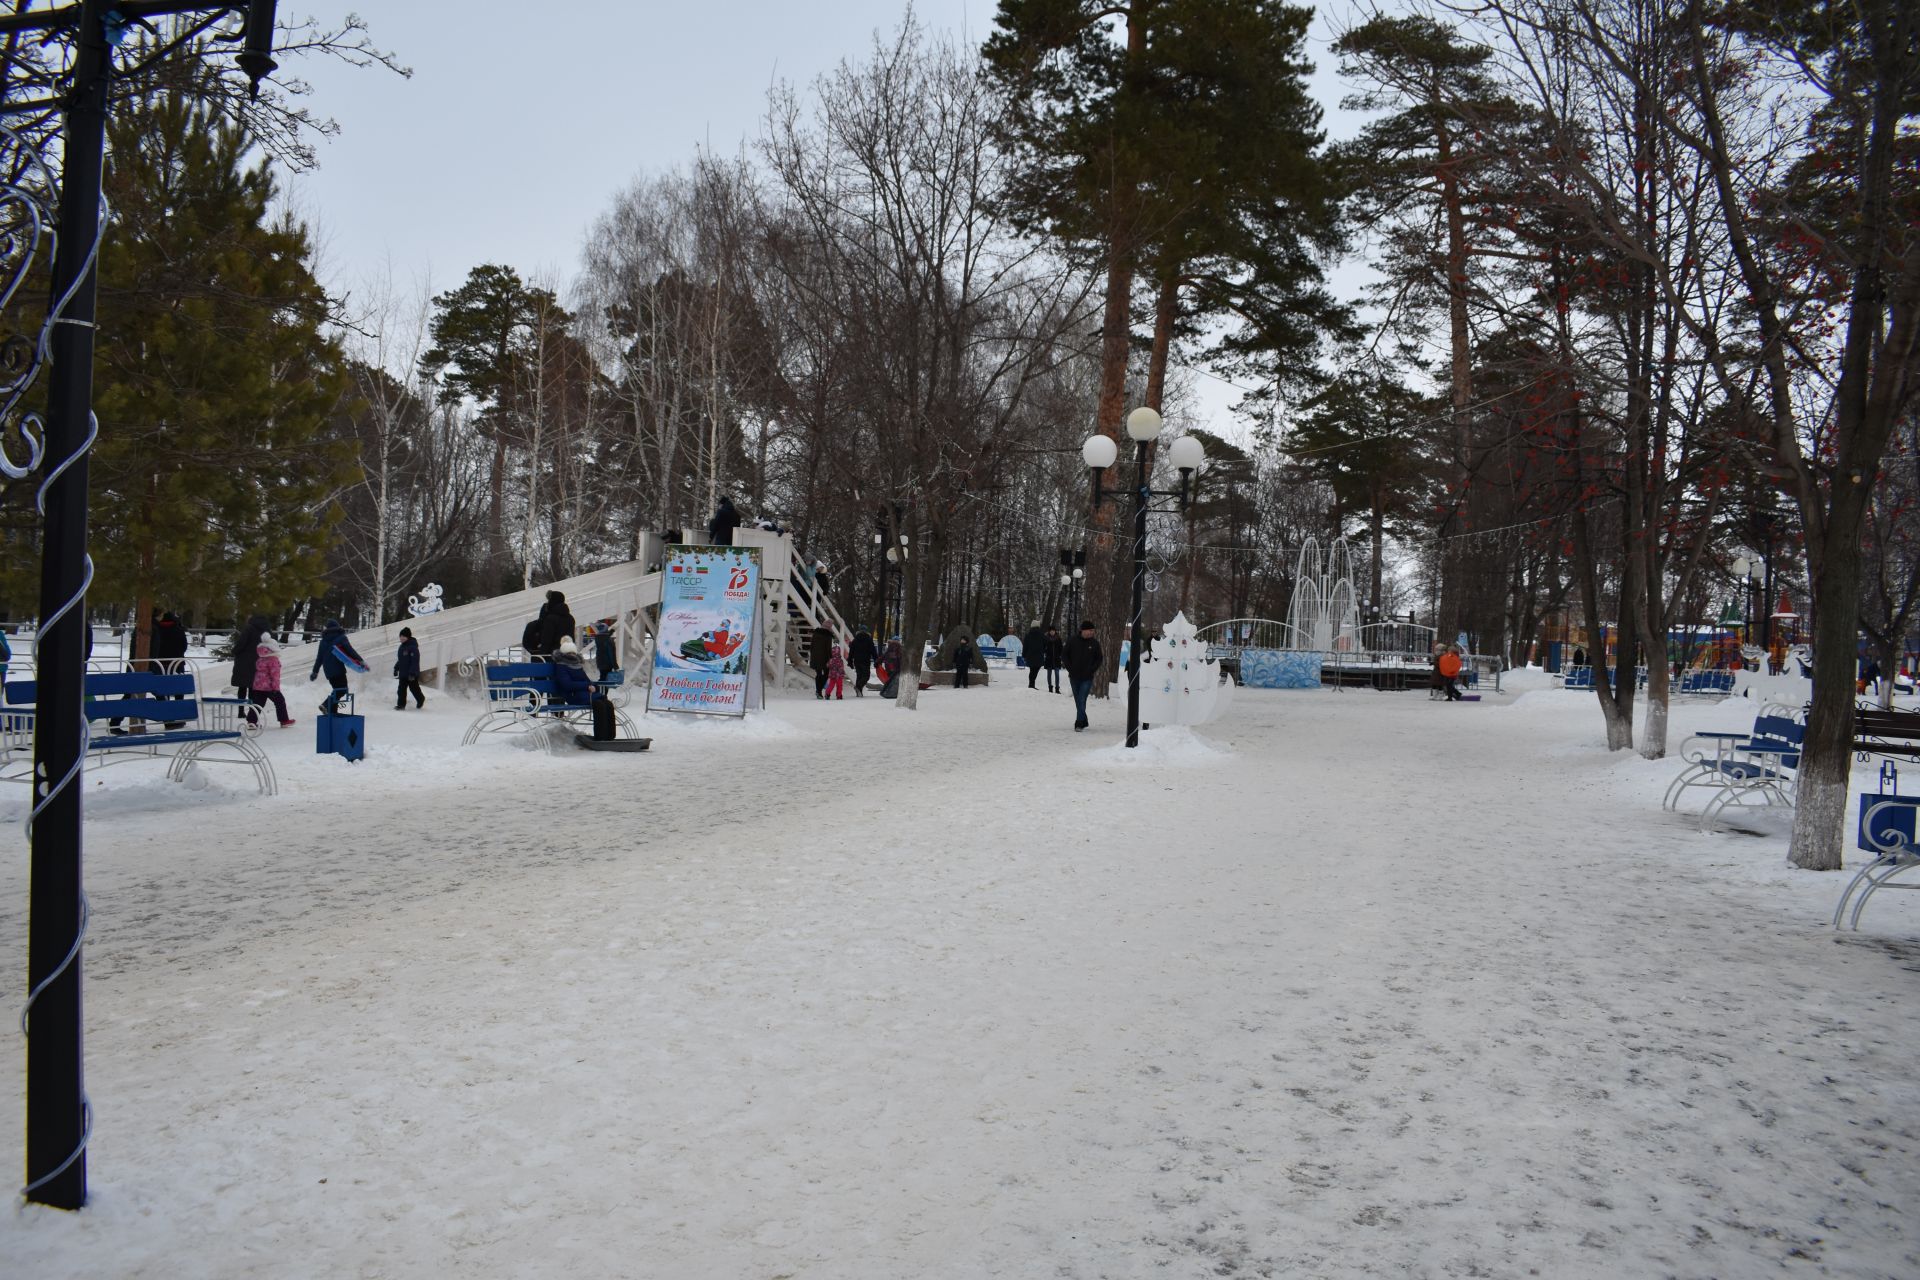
point(1170, 745)
point(755, 725)
point(1551, 701)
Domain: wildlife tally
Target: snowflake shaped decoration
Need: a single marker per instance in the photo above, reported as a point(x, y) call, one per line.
point(1179, 684)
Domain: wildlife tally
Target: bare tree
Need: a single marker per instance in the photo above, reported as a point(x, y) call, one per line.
point(931, 322)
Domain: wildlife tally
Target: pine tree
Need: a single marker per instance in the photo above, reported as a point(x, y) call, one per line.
point(1425, 178)
point(486, 347)
point(1360, 436)
point(214, 380)
point(1180, 143)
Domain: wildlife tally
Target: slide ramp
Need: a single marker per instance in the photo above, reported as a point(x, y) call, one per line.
point(466, 632)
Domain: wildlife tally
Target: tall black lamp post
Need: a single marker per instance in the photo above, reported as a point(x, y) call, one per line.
point(1099, 453)
point(897, 558)
point(1073, 570)
point(880, 581)
point(1743, 570)
point(59, 1121)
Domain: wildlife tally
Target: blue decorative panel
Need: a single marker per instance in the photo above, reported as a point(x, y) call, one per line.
point(1279, 669)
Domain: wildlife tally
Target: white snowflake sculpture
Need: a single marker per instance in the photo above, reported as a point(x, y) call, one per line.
point(1179, 684)
point(428, 601)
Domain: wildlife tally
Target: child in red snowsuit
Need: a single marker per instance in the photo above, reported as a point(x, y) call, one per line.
point(836, 673)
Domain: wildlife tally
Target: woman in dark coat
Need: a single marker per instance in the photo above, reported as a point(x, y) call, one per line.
point(1033, 652)
point(1052, 656)
point(246, 655)
point(406, 669)
point(820, 651)
point(556, 622)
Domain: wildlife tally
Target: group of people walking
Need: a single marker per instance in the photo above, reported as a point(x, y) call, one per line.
point(1043, 650)
point(1081, 657)
point(257, 673)
point(830, 661)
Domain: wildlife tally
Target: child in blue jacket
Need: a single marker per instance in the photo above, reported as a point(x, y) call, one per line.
point(406, 669)
point(336, 652)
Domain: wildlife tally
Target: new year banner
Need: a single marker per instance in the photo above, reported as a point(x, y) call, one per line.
point(705, 647)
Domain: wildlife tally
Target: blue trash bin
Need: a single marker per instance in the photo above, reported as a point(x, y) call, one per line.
point(343, 733)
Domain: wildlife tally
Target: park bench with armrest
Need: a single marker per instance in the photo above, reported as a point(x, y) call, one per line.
point(1756, 767)
point(1704, 684)
point(1886, 733)
point(1887, 830)
point(521, 699)
point(198, 729)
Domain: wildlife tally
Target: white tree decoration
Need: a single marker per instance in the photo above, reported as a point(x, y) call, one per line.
point(1179, 684)
point(428, 601)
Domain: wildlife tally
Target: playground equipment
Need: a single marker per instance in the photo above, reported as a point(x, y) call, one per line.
point(465, 635)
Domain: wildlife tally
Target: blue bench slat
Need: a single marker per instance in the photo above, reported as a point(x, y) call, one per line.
point(106, 742)
point(140, 709)
point(111, 684)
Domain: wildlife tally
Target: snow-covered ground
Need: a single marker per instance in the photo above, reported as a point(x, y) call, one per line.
point(1348, 984)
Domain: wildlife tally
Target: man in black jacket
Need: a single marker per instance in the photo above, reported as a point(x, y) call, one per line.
point(1033, 649)
point(1084, 660)
point(725, 520)
point(861, 654)
point(167, 644)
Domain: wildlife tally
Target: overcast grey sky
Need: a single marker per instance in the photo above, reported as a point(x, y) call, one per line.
point(523, 118)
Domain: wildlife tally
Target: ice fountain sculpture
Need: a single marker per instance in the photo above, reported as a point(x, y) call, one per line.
point(1179, 684)
point(1325, 616)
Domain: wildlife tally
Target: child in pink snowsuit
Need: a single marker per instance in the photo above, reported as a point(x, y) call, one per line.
point(266, 681)
point(836, 673)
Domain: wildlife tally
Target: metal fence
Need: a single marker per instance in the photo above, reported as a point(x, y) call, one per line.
point(1381, 654)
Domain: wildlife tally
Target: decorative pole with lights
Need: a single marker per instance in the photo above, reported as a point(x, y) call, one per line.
point(1073, 570)
point(1743, 570)
point(59, 1120)
point(1099, 453)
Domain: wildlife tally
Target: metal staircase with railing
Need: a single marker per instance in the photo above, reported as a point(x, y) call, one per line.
point(789, 617)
